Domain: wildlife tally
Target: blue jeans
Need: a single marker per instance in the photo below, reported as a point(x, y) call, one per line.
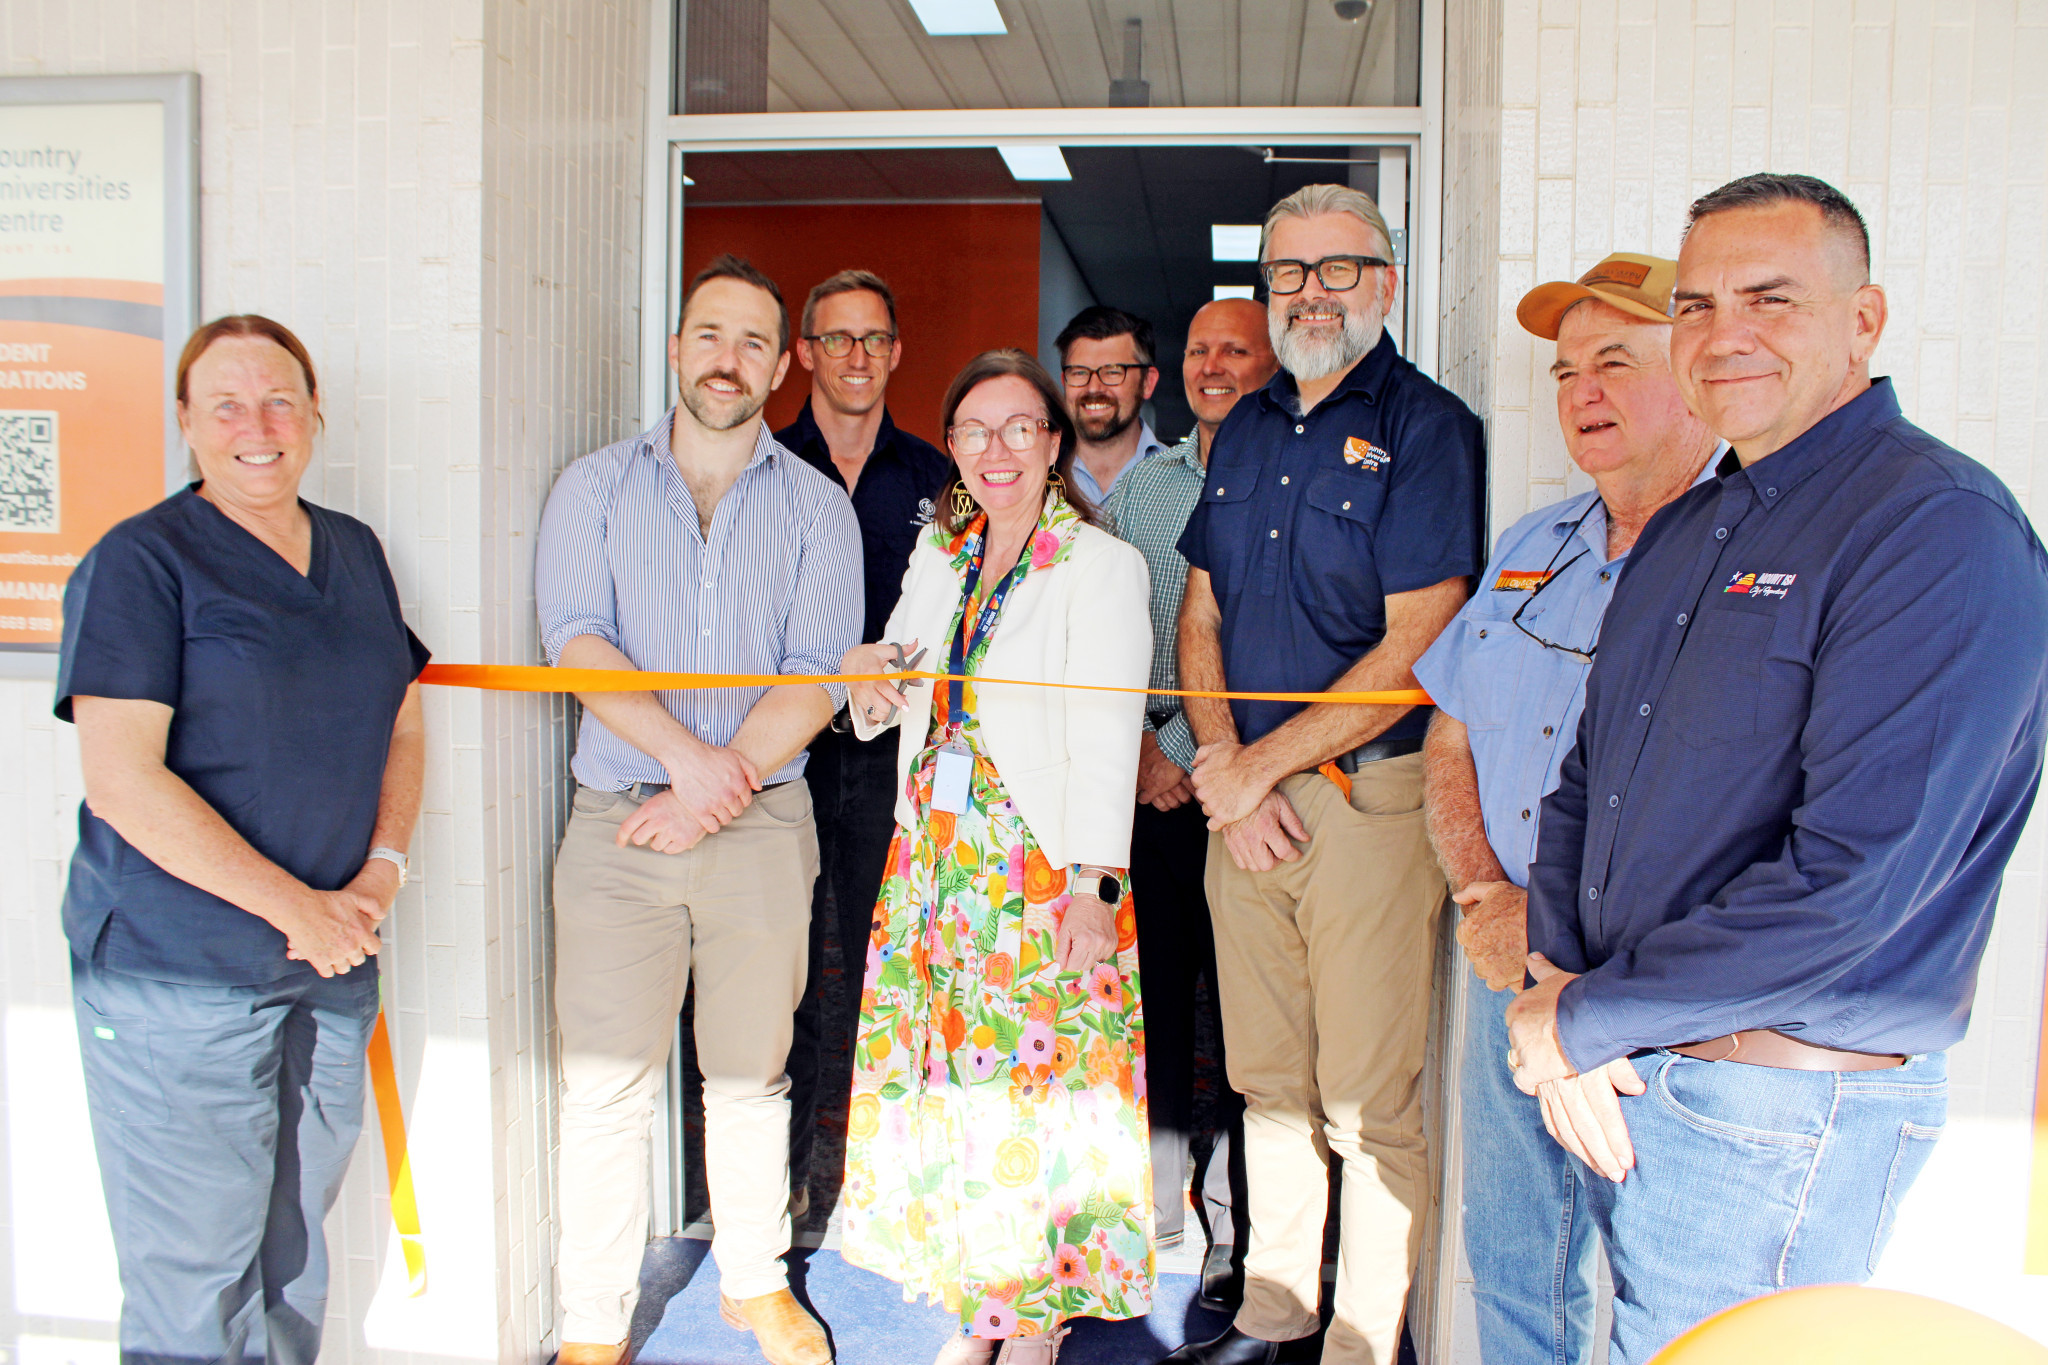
point(1528, 1234)
point(224, 1118)
point(1749, 1180)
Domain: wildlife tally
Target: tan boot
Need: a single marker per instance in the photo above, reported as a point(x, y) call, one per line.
point(591, 1353)
point(786, 1333)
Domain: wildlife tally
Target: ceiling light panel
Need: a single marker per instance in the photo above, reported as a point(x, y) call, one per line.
point(1235, 291)
point(1035, 163)
point(1234, 241)
point(954, 18)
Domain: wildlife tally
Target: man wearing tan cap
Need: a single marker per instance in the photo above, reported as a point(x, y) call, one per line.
point(1509, 679)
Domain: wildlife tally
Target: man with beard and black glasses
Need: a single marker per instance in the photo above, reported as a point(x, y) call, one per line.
point(699, 546)
point(1336, 535)
point(1106, 365)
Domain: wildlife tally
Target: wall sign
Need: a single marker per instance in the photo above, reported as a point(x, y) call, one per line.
point(99, 207)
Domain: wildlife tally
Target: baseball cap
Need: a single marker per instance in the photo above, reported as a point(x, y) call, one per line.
point(1638, 285)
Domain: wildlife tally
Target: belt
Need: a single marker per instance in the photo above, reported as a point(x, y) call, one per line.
point(1375, 751)
point(1766, 1047)
point(645, 791)
point(1159, 718)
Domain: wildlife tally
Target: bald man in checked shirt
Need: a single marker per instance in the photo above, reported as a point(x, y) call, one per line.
point(701, 546)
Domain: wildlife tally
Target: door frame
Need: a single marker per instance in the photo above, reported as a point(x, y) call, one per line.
point(1418, 131)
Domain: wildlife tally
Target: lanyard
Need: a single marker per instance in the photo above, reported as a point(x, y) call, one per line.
point(970, 635)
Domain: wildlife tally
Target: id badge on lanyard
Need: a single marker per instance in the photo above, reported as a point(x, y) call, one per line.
point(953, 777)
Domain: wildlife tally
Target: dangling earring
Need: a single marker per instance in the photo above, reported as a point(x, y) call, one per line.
point(964, 505)
point(1057, 483)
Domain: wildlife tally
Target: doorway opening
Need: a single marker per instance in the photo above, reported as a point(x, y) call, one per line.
point(979, 258)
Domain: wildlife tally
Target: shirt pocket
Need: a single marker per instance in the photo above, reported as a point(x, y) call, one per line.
point(1335, 572)
point(1712, 696)
point(1226, 526)
point(1352, 497)
point(1488, 661)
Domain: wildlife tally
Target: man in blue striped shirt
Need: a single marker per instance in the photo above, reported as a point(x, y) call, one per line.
point(700, 546)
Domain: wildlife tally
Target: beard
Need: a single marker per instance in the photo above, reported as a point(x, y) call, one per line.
point(1100, 429)
point(1308, 357)
point(722, 414)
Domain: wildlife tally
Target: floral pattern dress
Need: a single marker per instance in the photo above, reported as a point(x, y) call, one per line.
point(996, 1157)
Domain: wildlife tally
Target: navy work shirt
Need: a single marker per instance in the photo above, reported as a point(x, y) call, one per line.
point(1811, 737)
point(283, 687)
point(893, 502)
point(1308, 523)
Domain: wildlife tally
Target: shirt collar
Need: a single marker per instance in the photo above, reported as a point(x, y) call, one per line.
point(1367, 378)
point(1806, 454)
point(1593, 527)
point(655, 442)
point(1187, 451)
point(810, 440)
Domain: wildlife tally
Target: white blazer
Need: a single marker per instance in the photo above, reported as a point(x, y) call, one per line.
point(1068, 759)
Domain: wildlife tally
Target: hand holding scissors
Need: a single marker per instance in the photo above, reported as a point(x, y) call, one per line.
point(878, 702)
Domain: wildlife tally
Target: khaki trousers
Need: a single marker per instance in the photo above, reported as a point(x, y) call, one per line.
point(1324, 976)
point(630, 925)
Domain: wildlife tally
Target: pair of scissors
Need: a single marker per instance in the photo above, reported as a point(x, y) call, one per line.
point(903, 665)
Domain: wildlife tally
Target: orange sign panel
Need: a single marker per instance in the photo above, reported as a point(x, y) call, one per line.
point(82, 262)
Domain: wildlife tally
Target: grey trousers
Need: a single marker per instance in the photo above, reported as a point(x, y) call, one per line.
point(224, 1118)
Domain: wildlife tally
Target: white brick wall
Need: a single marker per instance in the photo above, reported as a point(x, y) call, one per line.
point(442, 198)
point(1611, 117)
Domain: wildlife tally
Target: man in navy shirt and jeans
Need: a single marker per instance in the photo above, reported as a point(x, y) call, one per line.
point(1813, 733)
point(1336, 535)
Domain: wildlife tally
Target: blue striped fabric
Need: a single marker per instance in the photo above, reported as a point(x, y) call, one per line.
point(775, 589)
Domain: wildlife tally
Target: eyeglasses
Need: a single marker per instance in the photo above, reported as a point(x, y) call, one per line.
point(1551, 571)
point(840, 344)
point(1338, 273)
point(1077, 376)
point(1020, 434)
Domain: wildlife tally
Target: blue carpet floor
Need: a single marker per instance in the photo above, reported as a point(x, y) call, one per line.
point(867, 1318)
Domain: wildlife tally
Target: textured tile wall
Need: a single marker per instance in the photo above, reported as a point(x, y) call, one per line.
point(442, 198)
point(1612, 115)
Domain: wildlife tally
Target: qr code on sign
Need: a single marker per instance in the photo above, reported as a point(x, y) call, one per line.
point(28, 471)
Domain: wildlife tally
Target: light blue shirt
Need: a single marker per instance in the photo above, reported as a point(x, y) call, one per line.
point(1520, 702)
point(1149, 445)
point(774, 588)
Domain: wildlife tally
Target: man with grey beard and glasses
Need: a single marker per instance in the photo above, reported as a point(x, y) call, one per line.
point(1337, 534)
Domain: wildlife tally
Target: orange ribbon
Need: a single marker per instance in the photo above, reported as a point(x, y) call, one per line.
point(405, 1210)
point(533, 678)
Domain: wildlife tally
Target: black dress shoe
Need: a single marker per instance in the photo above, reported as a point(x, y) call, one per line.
point(1222, 1283)
point(1235, 1348)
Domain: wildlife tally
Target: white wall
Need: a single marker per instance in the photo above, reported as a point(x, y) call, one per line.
point(443, 200)
point(1587, 126)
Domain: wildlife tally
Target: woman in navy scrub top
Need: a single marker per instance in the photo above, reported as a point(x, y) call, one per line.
point(249, 727)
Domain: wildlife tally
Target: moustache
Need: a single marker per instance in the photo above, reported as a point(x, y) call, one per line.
point(1339, 313)
point(729, 376)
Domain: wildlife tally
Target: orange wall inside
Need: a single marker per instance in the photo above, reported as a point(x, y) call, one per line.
point(965, 278)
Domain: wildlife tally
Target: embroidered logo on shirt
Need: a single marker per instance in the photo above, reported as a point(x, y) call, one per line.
point(925, 512)
point(1522, 580)
point(1760, 584)
point(1359, 451)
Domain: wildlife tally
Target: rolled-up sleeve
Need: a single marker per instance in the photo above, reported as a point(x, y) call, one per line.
point(829, 605)
point(572, 579)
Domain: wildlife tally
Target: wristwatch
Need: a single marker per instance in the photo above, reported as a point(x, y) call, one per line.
point(1100, 884)
point(397, 858)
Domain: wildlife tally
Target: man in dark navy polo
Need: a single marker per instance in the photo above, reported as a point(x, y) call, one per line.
point(1810, 740)
point(848, 343)
point(1336, 535)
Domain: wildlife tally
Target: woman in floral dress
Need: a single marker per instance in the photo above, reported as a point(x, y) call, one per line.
point(996, 1156)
